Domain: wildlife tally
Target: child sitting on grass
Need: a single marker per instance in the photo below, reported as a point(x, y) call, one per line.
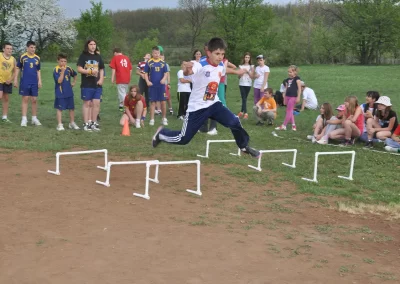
point(135, 108)
point(328, 124)
point(383, 124)
point(64, 95)
point(265, 109)
point(393, 143)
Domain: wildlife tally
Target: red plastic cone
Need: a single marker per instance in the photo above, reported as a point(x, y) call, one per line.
point(125, 129)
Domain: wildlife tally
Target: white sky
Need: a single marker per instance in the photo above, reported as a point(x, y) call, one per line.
point(74, 7)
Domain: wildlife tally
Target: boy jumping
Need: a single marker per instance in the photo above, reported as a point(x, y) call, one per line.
point(204, 102)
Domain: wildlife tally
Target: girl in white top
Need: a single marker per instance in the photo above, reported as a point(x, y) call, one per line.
point(260, 75)
point(245, 83)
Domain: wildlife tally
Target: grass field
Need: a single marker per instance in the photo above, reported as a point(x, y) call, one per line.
point(375, 174)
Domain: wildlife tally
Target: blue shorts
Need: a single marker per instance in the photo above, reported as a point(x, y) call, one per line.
point(157, 93)
point(29, 90)
point(64, 103)
point(6, 88)
point(88, 94)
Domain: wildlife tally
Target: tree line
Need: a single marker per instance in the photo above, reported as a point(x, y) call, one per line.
point(308, 32)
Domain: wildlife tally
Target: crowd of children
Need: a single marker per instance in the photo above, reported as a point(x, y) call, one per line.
point(371, 122)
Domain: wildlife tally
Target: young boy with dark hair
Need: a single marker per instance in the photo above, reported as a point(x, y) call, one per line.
point(265, 108)
point(156, 75)
point(31, 81)
point(204, 102)
point(64, 95)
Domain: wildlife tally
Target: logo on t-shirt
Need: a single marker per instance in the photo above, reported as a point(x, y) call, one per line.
point(91, 65)
point(208, 74)
point(211, 91)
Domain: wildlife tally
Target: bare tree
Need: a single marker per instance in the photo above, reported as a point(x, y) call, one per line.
point(196, 13)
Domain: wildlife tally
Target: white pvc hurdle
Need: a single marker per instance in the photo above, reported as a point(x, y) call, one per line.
point(109, 164)
point(157, 163)
point(57, 171)
point(317, 154)
point(218, 141)
point(293, 165)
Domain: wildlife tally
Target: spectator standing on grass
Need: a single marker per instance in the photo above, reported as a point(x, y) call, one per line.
point(31, 81)
point(260, 76)
point(265, 108)
point(168, 87)
point(135, 108)
point(309, 99)
point(383, 124)
point(292, 96)
point(91, 67)
point(156, 76)
point(369, 110)
point(144, 89)
point(245, 82)
point(183, 93)
point(121, 72)
point(7, 76)
point(65, 79)
point(204, 102)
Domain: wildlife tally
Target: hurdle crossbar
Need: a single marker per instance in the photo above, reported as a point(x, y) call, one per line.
point(317, 154)
point(218, 141)
point(157, 163)
point(109, 164)
point(293, 165)
point(57, 171)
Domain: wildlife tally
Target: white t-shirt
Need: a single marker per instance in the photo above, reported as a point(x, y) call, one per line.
point(282, 89)
point(183, 87)
point(260, 80)
point(311, 99)
point(245, 80)
point(205, 79)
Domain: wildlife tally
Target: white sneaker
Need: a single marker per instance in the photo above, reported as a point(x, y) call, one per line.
point(313, 140)
point(60, 127)
point(310, 137)
point(36, 122)
point(165, 121)
point(391, 149)
point(151, 122)
point(181, 117)
point(138, 124)
point(73, 125)
point(322, 141)
point(282, 127)
point(24, 123)
point(212, 132)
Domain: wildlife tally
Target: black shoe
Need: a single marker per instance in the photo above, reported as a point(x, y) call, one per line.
point(252, 152)
point(98, 117)
point(259, 123)
point(95, 126)
point(369, 144)
point(156, 138)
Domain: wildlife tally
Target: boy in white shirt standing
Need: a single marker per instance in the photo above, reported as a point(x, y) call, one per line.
point(204, 102)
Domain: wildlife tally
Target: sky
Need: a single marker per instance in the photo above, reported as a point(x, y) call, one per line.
point(74, 7)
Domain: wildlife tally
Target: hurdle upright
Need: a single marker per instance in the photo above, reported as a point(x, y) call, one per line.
point(109, 164)
point(317, 154)
point(57, 171)
point(218, 141)
point(158, 163)
point(293, 165)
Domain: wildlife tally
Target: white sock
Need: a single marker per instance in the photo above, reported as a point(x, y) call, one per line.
point(24, 118)
point(4, 117)
point(34, 117)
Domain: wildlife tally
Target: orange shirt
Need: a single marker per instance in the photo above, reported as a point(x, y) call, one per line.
point(267, 103)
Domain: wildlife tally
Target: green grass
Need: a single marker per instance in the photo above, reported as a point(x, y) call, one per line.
point(375, 174)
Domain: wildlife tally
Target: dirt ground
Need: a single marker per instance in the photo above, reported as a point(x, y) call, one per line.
point(68, 229)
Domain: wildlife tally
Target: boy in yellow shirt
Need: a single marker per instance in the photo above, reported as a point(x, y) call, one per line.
point(265, 109)
point(7, 75)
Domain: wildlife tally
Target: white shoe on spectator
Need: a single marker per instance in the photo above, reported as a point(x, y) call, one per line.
point(36, 122)
point(212, 132)
point(60, 127)
point(165, 121)
point(73, 125)
point(151, 122)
